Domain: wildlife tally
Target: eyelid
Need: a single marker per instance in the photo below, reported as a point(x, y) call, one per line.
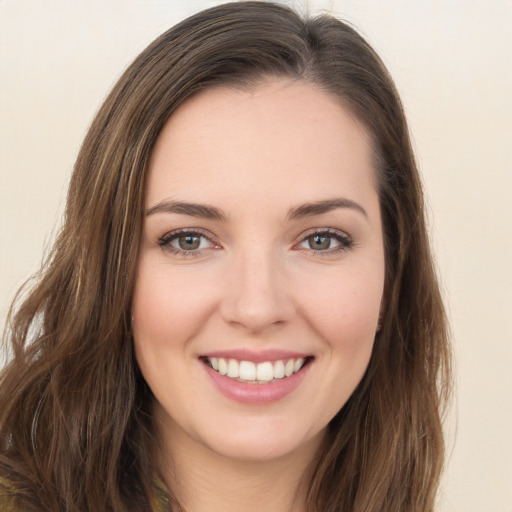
point(345, 240)
point(165, 241)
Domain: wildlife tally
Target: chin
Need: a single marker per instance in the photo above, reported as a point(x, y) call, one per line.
point(264, 444)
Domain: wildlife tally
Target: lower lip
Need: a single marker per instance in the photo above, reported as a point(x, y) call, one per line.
point(247, 393)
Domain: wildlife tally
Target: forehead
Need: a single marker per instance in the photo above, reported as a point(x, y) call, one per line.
point(280, 138)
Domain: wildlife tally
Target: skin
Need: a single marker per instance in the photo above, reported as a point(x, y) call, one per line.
point(256, 283)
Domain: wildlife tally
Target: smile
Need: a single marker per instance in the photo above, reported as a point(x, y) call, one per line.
point(256, 373)
point(256, 378)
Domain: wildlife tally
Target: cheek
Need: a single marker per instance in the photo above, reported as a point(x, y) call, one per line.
point(168, 305)
point(344, 315)
point(346, 306)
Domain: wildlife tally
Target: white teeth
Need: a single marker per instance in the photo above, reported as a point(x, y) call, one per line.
point(233, 371)
point(223, 366)
point(265, 371)
point(278, 370)
point(288, 369)
point(247, 370)
point(297, 365)
point(261, 372)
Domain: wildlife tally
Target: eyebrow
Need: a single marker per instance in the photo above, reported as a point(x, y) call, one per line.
point(203, 211)
point(319, 207)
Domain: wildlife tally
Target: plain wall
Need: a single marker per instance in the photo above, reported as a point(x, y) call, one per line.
point(452, 62)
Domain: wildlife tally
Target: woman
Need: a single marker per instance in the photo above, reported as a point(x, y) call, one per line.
point(241, 310)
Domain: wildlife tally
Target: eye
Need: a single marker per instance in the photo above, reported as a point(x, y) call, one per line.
point(186, 242)
point(327, 240)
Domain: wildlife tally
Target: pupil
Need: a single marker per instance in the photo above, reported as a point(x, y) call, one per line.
point(189, 242)
point(319, 242)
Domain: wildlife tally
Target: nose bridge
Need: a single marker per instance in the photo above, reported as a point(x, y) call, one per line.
point(257, 295)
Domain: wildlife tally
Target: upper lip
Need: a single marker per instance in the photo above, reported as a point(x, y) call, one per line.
point(259, 356)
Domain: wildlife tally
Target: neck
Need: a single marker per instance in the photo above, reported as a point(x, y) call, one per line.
point(202, 480)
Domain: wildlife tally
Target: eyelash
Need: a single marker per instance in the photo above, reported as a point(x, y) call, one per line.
point(345, 242)
point(165, 241)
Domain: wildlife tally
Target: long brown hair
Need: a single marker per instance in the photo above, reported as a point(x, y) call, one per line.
point(76, 428)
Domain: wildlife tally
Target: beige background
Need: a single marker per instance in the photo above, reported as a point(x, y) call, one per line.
point(452, 61)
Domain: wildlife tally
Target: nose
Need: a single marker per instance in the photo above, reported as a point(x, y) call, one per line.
point(257, 294)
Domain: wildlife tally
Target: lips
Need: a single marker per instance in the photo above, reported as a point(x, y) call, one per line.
point(256, 378)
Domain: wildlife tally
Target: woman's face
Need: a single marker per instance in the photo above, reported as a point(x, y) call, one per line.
point(262, 258)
